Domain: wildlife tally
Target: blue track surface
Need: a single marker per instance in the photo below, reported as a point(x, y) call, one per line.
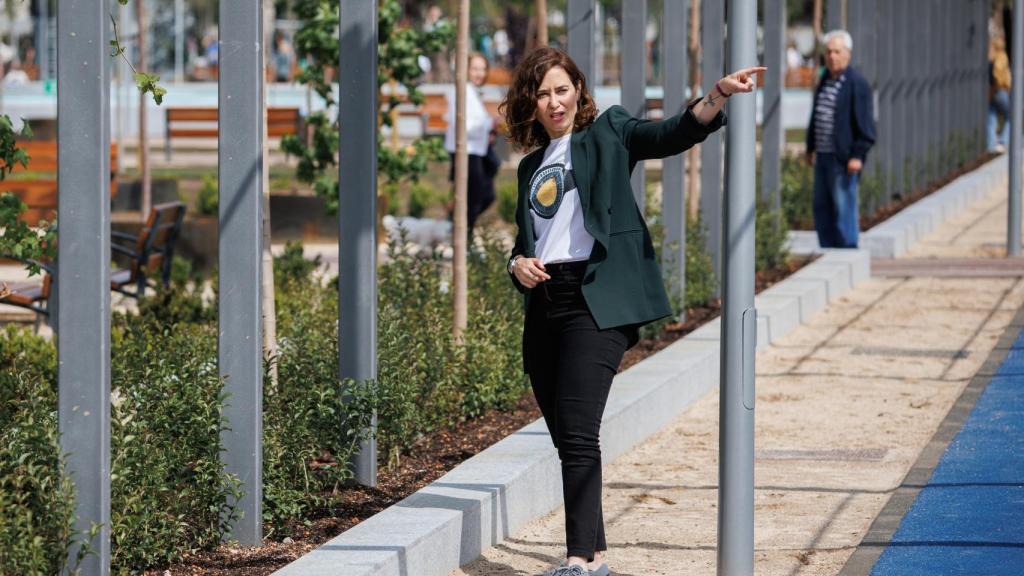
point(969, 519)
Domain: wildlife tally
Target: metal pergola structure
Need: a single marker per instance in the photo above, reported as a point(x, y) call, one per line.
point(929, 90)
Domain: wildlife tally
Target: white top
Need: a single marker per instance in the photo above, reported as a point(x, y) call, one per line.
point(478, 123)
point(560, 236)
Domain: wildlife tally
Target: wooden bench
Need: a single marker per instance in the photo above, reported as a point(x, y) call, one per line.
point(148, 253)
point(147, 256)
point(202, 123)
point(36, 185)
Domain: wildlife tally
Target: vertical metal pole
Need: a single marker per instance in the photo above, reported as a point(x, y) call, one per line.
point(240, 344)
point(179, 40)
point(83, 265)
point(772, 134)
point(43, 39)
point(675, 25)
point(712, 27)
point(834, 17)
point(882, 151)
point(633, 76)
point(900, 95)
point(739, 319)
point(581, 36)
point(357, 207)
point(1013, 242)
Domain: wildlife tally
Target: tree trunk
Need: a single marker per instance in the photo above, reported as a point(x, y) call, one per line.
point(542, 22)
point(147, 192)
point(693, 162)
point(816, 26)
point(267, 273)
point(459, 238)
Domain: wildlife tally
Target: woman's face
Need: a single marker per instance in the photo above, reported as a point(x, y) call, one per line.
point(557, 99)
point(477, 71)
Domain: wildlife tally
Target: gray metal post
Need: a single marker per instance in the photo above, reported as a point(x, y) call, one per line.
point(179, 40)
point(900, 97)
point(772, 134)
point(83, 265)
point(1013, 247)
point(739, 318)
point(240, 343)
point(834, 17)
point(675, 24)
point(581, 36)
point(357, 207)
point(633, 76)
point(43, 39)
point(882, 150)
point(712, 28)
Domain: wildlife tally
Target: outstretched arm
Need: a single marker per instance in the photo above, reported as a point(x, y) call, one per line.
point(712, 102)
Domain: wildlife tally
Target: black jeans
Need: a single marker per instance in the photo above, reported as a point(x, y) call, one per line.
point(571, 364)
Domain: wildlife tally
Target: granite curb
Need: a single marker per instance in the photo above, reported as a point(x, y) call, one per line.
point(900, 232)
point(489, 497)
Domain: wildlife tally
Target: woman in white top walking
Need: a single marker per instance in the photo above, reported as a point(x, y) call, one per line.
point(483, 162)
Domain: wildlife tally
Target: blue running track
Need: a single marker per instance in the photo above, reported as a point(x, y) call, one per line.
point(969, 518)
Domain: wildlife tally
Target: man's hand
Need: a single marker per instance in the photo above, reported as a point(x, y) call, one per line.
point(809, 158)
point(854, 165)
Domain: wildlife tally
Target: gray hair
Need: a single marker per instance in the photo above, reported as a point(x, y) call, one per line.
point(842, 35)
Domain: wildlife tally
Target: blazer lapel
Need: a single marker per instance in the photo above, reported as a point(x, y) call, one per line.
point(581, 169)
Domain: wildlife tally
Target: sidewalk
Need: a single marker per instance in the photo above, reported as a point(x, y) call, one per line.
point(846, 403)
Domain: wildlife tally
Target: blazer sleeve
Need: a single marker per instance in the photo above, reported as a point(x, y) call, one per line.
point(519, 248)
point(863, 120)
point(647, 139)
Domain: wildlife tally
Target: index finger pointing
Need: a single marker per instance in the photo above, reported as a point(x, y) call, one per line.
point(752, 70)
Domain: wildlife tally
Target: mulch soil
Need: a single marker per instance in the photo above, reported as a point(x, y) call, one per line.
point(428, 459)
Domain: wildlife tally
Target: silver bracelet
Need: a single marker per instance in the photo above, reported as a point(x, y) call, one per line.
point(512, 263)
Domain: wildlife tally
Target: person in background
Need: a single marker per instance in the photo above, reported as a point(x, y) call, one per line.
point(483, 162)
point(841, 131)
point(998, 95)
point(283, 56)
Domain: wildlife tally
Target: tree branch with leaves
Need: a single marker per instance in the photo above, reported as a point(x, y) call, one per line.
point(398, 50)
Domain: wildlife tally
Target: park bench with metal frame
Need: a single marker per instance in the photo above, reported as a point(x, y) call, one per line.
point(149, 251)
point(38, 187)
point(202, 123)
point(30, 294)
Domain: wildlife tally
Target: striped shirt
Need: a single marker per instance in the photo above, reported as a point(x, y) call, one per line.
point(824, 114)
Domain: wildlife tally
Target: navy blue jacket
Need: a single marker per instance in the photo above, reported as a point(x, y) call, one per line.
point(853, 131)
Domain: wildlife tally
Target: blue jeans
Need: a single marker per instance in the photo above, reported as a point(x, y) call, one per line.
point(998, 106)
point(835, 203)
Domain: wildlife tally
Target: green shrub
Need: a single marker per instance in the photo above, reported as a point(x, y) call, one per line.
point(208, 198)
point(169, 490)
point(37, 505)
point(770, 238)
point(797, 189)
point(508, 194)
point(421, 197)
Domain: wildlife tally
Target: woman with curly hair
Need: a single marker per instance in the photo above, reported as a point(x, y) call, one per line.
point(584, 261)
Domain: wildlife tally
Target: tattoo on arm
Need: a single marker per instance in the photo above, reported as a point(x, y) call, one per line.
point(711, 99)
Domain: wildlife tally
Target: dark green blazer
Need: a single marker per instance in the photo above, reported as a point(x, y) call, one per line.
point(623, 284)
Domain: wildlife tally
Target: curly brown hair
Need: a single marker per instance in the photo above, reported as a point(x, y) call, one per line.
point(520, 102)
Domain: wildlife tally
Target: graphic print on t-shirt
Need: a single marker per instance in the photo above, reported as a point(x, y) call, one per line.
point(547, 188)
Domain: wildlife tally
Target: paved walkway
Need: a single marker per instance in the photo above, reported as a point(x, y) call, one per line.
point(845, 405)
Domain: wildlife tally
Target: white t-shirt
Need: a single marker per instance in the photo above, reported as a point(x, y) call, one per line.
point(556, 212)
point(478, 123)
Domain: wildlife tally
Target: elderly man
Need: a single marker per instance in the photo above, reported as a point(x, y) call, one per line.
point(841, 132)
